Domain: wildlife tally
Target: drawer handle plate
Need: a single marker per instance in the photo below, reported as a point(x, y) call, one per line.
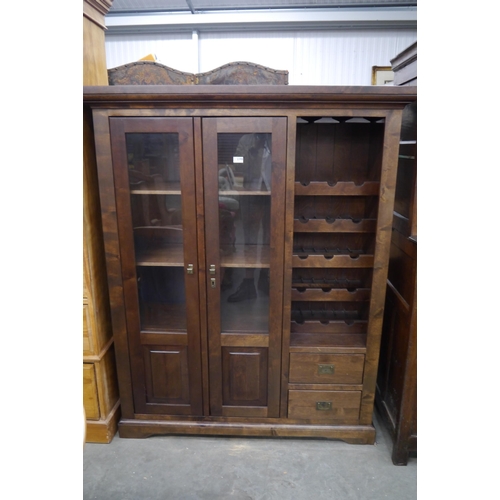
point(323, 405)
point(326, 369)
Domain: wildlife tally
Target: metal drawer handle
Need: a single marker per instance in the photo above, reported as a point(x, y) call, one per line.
point(326, 369)
point(323, 405)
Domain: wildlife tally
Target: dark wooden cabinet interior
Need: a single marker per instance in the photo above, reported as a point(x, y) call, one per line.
point(247, 235)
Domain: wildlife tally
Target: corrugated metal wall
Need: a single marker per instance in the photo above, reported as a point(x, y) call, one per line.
point(312, 57)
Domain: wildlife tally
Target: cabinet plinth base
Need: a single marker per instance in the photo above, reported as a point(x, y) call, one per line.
point(103, 431)
point(352, 434)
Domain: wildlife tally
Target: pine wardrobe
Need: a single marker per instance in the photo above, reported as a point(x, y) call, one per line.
point(247, 233)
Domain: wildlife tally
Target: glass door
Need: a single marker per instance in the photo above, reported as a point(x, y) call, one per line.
point(153, 163)
point(244, 173)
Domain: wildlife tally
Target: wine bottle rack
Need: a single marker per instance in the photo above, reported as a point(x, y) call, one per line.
point(336, 193)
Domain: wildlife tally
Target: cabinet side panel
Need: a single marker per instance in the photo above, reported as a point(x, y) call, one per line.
point(381, 260)
point(113, 258)
point(94, 260)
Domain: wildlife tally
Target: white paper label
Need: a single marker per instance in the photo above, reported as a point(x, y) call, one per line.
point(237, 159)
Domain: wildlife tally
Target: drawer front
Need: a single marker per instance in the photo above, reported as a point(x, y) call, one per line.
point(308, 368)
point(324, 406)
point(90, 396)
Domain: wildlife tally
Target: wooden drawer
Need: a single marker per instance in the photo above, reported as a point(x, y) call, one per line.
point(308, 368)
point(324, 406)
point(90, 395)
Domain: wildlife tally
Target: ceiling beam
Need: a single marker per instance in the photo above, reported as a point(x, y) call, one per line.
point(290, 19)
point(190, 5)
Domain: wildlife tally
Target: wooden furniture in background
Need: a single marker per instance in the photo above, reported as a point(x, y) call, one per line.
point(285, 191)
point(235, 73)
point(100, 387)
point(396, 397)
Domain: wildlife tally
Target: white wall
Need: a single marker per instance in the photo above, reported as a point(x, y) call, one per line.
point(176, 48)
point(312, 57)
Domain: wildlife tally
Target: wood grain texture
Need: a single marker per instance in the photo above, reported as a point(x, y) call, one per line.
point(98, 315)
point(396, 396)
point(352, 434)
point(202, 270)
point(112, 252)
point(305, 368)
point(103, 431)
point(98, 354)
point(244, 376)
point(362, 185)
point(381, 260)
point(192, 97)
point(94, 55)
point(90, 397)
point(190, 379)
point(101, 398)
point(344, 406)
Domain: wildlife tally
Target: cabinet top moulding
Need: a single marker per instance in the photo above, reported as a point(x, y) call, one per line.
point(269, 95)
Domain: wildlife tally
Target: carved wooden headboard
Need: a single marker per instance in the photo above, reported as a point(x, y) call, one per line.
point(235, 73)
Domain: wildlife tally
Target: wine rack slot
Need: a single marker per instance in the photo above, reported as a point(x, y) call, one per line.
point(330, 327)
point(333, 278)
point(330, 294)
point(341, 188)
point(332, 260)
point(311, 225)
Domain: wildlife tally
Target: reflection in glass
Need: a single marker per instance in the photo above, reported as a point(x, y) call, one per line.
point(156, 204)
point(244, 229)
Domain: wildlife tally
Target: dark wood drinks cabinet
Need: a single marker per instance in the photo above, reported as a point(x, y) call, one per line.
point(247, 233)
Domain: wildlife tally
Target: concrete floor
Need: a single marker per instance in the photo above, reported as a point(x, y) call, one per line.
point(215, 468)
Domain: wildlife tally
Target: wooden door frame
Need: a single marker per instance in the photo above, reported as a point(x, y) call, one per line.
point(119, 126)
point(241, 124)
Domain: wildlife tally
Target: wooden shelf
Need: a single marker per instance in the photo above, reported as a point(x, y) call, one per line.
point(168, 256)
point(320, 260)
point(302, 225)
point(341, 188)
point(247, 256)
point(333, 294)
point(330, 327)
point(327, 283)
point(325, 343)
point(245, 192)
point(157, 188)
point(163, 317)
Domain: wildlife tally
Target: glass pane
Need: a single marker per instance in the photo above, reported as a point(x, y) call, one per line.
point(156, 204)
point(244, 228)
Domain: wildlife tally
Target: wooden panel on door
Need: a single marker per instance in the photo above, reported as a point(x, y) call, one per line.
point(167, 377)
point(244, 376)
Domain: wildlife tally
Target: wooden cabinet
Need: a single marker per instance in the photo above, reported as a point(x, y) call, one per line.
point(100, 386)
point(396, 396)
point(247, 234)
